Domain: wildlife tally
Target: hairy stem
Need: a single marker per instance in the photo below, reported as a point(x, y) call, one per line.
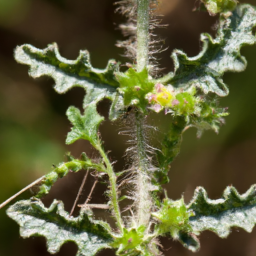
point(142, 33)
point(143, 195)
point(113, 187)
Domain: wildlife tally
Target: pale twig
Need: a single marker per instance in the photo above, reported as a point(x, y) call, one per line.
point(21, 191)
point(97, 206)
point(79, 192)
point(93, 187)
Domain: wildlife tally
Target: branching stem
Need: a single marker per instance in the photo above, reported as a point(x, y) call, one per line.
point(142, 34)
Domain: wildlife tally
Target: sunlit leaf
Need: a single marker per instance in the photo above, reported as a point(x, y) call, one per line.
point(84, 126)
point(218, 55)
point(219, 216)
point(58, 228)
point(67, 74)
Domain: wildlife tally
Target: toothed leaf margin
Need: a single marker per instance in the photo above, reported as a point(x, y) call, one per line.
point(58, 228)
point(67, 74)
point(219, 216)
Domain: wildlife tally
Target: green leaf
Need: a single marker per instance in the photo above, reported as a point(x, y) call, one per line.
point(135, 86)
point(85, 126)
point(219, 216)
point(210, 117)
point(58, 228)
point(185, 104)
point(217, 6)
point(173, 218)
point(131, 241)
point(98, 83)
point(218, 55)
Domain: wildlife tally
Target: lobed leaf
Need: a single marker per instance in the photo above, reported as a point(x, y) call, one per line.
point(218, 55)
point(58, 228)
point(219, 216)
point(67, 74)
point(84, 126)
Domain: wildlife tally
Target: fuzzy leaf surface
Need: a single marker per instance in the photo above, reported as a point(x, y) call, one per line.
point(218, 55)
point(67, 74)
point(84, 126)
point(58, 228)
point(219, 216)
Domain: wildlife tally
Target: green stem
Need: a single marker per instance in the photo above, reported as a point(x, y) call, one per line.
point(142, 33)
point(143, 194)
point(113, 187)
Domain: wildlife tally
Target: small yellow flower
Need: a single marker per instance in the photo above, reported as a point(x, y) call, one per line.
point(163, 96)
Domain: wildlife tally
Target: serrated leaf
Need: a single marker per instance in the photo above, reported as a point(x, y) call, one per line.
point(98, 83)
point(218, 55)
point(58, 228)
point(84, 126)
point(219, 216)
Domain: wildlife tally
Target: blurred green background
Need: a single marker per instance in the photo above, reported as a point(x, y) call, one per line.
point(33, 125)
